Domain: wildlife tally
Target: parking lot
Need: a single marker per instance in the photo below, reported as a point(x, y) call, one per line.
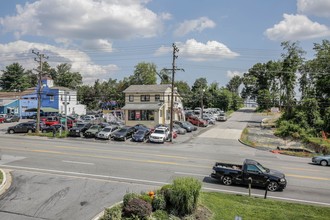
point(180, 138)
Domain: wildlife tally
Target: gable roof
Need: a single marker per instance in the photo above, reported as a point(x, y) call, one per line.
point(16, 95)
point(147, 88)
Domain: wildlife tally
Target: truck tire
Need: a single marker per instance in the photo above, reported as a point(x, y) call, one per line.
point(272, 186)
point(227, 180)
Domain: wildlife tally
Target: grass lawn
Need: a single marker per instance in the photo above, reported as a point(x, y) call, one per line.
point(227, 206)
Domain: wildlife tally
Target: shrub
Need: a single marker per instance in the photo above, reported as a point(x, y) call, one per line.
point(160, 215)
point(113, 213)
point(128, 197)
point(146, 198)
point(159, 202)
point(137, 208)
point(184, 195)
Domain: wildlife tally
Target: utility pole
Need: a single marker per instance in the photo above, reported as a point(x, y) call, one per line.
point(39, 58)
point(175, 50)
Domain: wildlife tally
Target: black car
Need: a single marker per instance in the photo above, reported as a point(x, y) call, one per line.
point(141, 135)
point(21, 128)
point(12, 118)
point(140, 127)
point(123, 133)
point(57, 127)
point(79, 129)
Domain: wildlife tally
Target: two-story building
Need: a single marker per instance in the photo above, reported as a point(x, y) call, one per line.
point(151, 105)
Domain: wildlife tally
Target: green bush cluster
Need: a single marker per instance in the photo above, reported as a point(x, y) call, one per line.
point(170, 202)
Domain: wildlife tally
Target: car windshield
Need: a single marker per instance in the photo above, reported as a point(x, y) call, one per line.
point(80, 125)
point(262, 168)
point(106, 129)
point(122, 130)
point(94, 127)
point(158, 131)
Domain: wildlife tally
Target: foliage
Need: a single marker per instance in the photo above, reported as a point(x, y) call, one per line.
point(144, 74)
point(160, 215)
point(159, 202)
point(66, 78)
point(184, 195)
point(146, 197)
point(113, 213)
point(137, 207)
point(128, 197)
point(15, 78)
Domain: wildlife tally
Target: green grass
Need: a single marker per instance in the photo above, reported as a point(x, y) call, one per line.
point(227, 206)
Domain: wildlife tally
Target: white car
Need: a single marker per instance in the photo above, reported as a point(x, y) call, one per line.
point(159, 135)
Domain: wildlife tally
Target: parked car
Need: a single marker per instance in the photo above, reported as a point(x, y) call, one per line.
point(222, 117)
point(123, 133)
point(251, 170)
point(92, 131)
point(52, 120)
point(185, 125)
point(322, 160)
point(79, 129)
point(51, 128)
point(2, 119)
point(12, 118)
point(197, 121)
point(178, 129)
point(140, 126)
point(106, 133)
point(21, 128)
point(141, 135)
point(159, 135)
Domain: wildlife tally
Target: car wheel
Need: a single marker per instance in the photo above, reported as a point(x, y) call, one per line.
point(11, 131)
point(324, 163)
point(29, 131)
point(81, 134)
point(272, 186)
point(227, 180)
point(44, 131)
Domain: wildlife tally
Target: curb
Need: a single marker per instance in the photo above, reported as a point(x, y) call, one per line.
point(6, 182)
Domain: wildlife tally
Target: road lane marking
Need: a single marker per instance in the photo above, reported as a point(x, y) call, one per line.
point(142, 181)
point(307, 177)
point(77, 162)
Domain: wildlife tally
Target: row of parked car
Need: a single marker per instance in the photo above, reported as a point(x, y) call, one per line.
point(5, 118)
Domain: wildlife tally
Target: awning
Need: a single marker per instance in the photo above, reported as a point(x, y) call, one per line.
point(142, 106)
point(44, 109)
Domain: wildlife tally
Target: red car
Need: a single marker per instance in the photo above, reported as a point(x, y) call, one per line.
point(51, 121)
point(197, 121)
point(2, 120)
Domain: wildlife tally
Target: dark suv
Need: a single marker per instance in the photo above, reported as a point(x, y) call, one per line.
point(79, 129)
point(21, 128)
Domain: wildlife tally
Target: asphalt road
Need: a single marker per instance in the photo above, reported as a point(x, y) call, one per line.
point(76, 179)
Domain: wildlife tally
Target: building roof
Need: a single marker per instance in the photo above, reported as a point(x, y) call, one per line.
point(147, 88)
point(142, 106)
point(16, 95)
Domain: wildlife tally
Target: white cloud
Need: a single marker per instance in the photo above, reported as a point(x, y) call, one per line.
point(320, 8)
point(231, 74)
point(297, 27)
point(80, 61)
point(84, 19)
point(100, 45)
point(196, 51)
point(194, 25)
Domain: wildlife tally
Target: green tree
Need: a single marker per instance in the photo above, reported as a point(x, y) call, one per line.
point(64, 77)
point(234, 84)
point(14, 78)
point(144, 74)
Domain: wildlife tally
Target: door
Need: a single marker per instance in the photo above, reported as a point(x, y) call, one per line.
point(252, 171)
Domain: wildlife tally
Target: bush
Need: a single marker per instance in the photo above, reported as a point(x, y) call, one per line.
point(137, 208)
point(112, 214)
point(184, 195)
point(128, 197)
point(146, 198)
point(159, 202)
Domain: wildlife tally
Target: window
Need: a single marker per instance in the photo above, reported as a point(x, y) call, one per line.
point(51, 98)
point(252, 168)
point(157, 98)
point(145, 98)
point(131, 98)
point(143, 115)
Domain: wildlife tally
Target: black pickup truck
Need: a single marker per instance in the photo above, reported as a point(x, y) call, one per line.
point(239, 174)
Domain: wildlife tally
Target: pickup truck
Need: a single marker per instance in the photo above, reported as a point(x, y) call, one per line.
point(251, 170)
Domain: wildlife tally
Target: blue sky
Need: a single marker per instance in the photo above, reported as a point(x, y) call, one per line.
point(105, 39)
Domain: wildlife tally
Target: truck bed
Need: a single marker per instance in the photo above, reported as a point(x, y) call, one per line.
point(228, 166)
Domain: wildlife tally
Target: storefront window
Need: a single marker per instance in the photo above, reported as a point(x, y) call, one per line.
point(143, 115)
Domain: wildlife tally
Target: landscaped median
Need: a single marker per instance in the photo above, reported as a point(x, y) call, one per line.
point(183, 200)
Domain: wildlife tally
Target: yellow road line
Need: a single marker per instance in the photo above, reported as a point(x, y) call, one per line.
point(308, 177)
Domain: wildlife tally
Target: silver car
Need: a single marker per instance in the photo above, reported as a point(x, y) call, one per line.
point(322, 160)
point(106, 132)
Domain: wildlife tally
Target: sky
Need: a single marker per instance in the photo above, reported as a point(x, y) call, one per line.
point(104, 39)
